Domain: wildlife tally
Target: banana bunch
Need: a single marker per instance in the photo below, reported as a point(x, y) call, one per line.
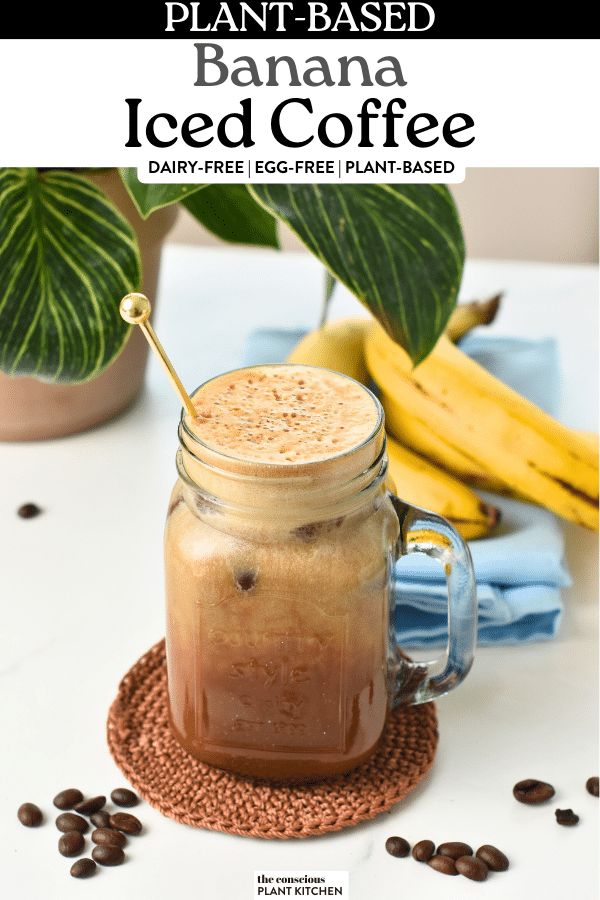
point(419, 436)
point(451, 423)
point(530, 453)
point(340, 346)
point(423, 484)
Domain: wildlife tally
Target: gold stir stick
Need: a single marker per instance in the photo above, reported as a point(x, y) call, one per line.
point(136, 309)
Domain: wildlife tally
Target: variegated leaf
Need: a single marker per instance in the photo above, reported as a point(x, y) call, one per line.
point(397, 247)
point(230, 213)
point(147, 198)
point(66, 257)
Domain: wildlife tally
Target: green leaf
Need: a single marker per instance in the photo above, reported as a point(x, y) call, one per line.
point(66, 258)
point(232, 214)
point(147, 198)
point(397, 247)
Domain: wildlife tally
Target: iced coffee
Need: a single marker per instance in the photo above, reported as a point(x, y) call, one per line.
point(279, 544)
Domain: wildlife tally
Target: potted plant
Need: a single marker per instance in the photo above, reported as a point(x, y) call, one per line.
point(72, 242)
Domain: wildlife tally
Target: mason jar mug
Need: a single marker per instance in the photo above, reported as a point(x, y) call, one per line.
point(281, 650)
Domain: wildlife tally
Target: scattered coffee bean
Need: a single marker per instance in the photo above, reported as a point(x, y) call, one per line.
point(108, 855)
point(566, 817)
point(29, 815)
point(71, 843)
point(454, 849)
point(493, 858)
point(125, 822)
point(397, 846)
point(68, 798)
point(532, 791)
point(28, 511)
point(423, 851)
point(83, 868)
point(71, 822)
point(591, 786)
point(443, 864)
point(124, 797)
point(100, 819)
point(472, 867)
point(108, 836)
point(87, 807)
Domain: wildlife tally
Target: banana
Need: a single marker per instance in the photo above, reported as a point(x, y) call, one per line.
point(491, 424)
point(419, 482)
point(467, 316)
point(591, 439)
point(570, 444)
point(336, 345)
point(417, 435)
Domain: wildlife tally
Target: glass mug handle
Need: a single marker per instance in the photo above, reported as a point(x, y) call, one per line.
point(425, 532)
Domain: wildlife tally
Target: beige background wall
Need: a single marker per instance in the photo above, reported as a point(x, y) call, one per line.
point(538, 214)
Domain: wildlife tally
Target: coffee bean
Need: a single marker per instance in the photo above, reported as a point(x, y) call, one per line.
point(100, 819)
point(443, 864)
point(423, 851)
point(28, 511)
point(125, 822)
point(454, 849)
point(71, 843)
point(108, 855)
point(566, 817)
point(493, 858)
point(109, 836)
point(397, 846)
point(70, 822)
point(532, 791)
point(87, 807)
point(591, 786)
point(124, 797)
point(29, 815)
point(83, 868)
point(472, 867)
point(68, 798)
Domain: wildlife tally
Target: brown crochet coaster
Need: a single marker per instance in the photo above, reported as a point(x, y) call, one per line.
point(189, 791)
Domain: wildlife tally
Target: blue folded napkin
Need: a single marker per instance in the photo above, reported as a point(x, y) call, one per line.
point(521, 569)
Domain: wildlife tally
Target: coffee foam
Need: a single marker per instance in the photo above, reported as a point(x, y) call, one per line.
point(283, 414)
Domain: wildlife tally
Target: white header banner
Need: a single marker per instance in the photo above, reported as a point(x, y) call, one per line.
point(293, 110)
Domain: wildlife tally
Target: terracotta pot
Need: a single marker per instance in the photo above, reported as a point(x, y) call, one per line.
point(31, 409)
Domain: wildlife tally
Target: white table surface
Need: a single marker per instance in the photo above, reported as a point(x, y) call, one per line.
point(82, 597)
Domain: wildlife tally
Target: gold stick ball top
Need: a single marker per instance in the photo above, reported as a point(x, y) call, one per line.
point(135, 309)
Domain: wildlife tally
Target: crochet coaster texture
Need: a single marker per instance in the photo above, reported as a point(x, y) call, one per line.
point(189, 791)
